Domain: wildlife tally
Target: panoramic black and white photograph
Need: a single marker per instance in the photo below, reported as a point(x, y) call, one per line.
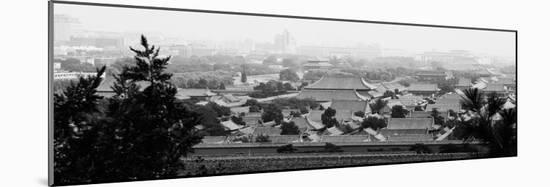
point(140, 93)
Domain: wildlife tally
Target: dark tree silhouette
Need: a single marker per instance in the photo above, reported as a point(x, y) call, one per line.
point(254, 108)
point(472, 99)
point(75, 111)
point(436, 115)
point(289, 128)
point(238, 120)
point(373, 123)
point(262, 138)
point(220, 110)
point(507, 134)
point(359, 114)
point(485, 125)
point(154, 129)
point(494, 104)
point(377, 106)
point(389, 94)
point(209, 120)
point(142, 134)
point(272, 113)
point(398, 111)
point(327, 118)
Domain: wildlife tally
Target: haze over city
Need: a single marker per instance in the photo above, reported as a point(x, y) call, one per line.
point(224, 27)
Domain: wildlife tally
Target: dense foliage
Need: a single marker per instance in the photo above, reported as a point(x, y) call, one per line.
point(328, 117)
point(142, 134)
point(272, 113)
point(398, 111)
point(289, 128)
point(359, 114)
point(182, 64)
point(377, 106)
point(436, 115)
point(262, 138)
point(218, 79)
point(314, 75)
point(374, 123)
point(288, 75)
point(489, 122)
point(271, 88)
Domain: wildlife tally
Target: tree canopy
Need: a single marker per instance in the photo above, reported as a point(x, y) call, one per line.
point(374, 123)
point(377, 106)
point(288, 75)
point(289, 128)
point(271, 88)
point(490, 122)
point(398, 111)
point(272, 113)
point(436, 115)
point(327, 118)
point(141, 134)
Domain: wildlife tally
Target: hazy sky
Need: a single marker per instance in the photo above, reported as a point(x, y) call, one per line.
point(224, 27)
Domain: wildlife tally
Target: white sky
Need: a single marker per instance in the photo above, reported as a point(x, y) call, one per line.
point(225, 27)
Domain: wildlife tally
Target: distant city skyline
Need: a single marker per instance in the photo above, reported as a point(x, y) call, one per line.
point(226, 27)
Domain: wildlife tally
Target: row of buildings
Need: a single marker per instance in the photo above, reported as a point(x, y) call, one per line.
point(350, 94)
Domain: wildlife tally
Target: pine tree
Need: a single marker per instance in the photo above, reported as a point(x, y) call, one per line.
point(153, 128)
point(141, 135)
point(75, 113)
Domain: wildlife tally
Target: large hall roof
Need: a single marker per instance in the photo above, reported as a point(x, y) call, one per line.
point(341, 83)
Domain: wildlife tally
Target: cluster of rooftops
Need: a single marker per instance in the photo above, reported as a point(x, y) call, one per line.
point(347, 95)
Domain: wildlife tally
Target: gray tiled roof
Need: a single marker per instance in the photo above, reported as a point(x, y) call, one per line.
point(423, 87)
point(329, 95)
point(410, 123)
point(444, 107)
point(341, 82)
point(300, 122)
point(349, 105)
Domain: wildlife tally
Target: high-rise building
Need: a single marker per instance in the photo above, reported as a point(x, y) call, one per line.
point(285, 43)
point(65, 27)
